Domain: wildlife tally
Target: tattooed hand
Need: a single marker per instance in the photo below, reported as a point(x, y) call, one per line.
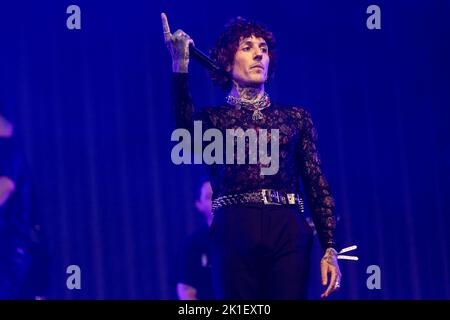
point(329, 264)
point(178, 46)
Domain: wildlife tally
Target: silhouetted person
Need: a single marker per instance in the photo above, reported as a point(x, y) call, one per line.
point(194, 270)
point(23, 272)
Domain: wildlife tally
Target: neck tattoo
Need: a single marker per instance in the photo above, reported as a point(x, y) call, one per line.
point(251, 98)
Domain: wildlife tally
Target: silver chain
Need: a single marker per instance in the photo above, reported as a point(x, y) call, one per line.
point(255, 106)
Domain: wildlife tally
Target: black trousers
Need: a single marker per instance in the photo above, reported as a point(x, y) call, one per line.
point(260, 252)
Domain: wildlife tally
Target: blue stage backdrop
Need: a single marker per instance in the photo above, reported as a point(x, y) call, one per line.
point(92, 110)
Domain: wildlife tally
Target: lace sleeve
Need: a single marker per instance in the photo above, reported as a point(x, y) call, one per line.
point(316, 186)
point(182, 101)
point(183, 107)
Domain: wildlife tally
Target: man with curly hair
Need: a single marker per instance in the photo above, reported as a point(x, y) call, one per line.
point(260, 240)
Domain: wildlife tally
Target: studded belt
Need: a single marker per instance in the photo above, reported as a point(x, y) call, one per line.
point(263, 196)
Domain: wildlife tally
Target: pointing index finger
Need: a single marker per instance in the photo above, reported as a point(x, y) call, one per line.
point(166, 29)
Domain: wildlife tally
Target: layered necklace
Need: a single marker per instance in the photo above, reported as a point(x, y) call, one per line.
point(253, 105)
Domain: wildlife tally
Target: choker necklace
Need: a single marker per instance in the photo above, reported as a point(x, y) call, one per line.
point(255, 106)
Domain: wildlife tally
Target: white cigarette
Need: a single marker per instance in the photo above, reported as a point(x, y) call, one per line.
point(348, 249)
point(344, 257)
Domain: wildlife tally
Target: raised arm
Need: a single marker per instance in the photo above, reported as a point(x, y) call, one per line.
point(178, 46)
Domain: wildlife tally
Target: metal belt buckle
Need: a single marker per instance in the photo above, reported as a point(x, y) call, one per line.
point(269, 196)
point(291, 198)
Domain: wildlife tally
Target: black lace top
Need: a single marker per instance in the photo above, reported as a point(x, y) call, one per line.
point(299, 159)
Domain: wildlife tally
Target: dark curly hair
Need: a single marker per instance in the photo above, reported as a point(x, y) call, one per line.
point(228, 43)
